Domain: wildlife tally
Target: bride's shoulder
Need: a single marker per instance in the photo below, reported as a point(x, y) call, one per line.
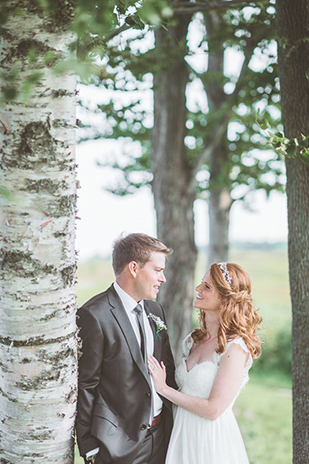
point(239, 341)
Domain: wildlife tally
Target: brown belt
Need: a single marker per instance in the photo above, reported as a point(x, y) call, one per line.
point(156, 421)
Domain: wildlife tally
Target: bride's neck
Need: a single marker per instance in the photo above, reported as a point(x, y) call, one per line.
point(212, 324)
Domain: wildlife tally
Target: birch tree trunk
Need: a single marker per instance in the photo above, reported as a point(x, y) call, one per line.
point(38, 366)
point(292, 21)
point(173, 184)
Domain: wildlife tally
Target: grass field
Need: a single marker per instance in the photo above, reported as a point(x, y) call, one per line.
point(264, 408)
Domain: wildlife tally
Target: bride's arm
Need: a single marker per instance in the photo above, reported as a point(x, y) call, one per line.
point(224, 390)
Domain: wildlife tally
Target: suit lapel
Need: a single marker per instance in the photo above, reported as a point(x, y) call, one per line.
point(124, 323)
point(156, 340)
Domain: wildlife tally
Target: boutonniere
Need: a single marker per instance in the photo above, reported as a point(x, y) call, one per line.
point(159, 325)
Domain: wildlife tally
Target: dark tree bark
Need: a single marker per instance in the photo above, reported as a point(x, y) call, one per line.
point(293, 33)
point(219, 187)
point(173, 183)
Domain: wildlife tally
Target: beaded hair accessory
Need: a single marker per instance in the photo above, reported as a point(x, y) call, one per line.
point(225, 272)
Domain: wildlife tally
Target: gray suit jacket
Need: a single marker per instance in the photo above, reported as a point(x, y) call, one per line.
point(114, 397)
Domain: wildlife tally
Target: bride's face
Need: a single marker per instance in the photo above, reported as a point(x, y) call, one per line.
point(207, 297)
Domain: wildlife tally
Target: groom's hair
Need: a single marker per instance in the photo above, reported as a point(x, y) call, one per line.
point(135, 247)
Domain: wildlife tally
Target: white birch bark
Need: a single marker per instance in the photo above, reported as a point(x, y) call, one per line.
point(38, 367)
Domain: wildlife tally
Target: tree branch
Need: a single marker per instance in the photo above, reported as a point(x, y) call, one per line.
point(116, 32)
point(210, 5)
point(215, 140)
point(248, 52)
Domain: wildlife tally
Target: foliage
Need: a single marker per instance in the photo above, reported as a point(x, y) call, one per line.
point(284, 146)
point(277, 354)
point(92, 25)
point(127, 81)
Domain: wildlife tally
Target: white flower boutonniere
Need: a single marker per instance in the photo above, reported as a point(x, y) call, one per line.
point(159, 325)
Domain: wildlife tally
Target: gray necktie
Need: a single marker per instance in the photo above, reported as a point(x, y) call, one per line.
point(139, 313)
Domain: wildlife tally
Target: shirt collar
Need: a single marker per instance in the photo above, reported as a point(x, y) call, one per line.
point(128, 302)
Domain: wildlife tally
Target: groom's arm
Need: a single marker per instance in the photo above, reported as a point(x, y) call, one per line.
point(90, 362)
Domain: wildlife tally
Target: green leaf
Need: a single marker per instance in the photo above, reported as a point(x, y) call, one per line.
point(304, 156)
point(304, 141)
point(291, 149)
point(264, 125)
point(135, 22)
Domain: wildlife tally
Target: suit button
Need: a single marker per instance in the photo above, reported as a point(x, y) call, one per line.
point(148, 395)
point(144, 427)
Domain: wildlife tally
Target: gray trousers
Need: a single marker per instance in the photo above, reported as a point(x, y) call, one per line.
point(153, 450)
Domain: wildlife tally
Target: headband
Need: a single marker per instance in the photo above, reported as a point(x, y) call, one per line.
point(225, 272)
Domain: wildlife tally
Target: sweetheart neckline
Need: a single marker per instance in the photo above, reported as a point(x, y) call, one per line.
point(197, 364)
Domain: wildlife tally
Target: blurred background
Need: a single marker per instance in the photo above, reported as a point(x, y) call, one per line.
point(213, 192)
point(264, 408)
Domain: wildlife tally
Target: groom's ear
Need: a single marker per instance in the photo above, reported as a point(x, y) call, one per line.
point(133, 267)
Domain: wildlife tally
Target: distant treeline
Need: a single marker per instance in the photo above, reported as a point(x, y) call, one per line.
point(259, 246)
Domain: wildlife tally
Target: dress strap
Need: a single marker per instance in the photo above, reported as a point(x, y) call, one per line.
point(187, 344)
point(239, 341)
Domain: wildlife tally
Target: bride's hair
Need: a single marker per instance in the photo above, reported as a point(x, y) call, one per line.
point(238, 318)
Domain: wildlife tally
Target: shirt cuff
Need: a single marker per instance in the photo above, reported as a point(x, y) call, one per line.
point(92, 452)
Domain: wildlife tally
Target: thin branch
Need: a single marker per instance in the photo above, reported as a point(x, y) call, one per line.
point(116, 32)
point(196, 7)
point(209, 3)
point(215, 140)
point(248, 52)
point(251, 188)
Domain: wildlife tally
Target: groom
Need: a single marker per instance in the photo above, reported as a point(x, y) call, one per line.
point(120, 417)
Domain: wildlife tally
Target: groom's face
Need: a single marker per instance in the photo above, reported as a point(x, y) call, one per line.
point(150, 276)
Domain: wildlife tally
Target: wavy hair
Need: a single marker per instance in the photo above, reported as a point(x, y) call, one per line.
point(238, 318)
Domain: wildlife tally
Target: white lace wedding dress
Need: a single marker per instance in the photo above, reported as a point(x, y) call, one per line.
point(195, 439)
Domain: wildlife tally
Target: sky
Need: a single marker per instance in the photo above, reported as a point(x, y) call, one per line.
point(104, 216)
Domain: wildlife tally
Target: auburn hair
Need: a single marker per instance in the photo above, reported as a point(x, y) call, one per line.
point(238, 318)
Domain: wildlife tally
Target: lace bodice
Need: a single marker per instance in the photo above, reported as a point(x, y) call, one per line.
point(199, 380)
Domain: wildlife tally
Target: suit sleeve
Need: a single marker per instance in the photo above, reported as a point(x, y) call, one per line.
point(90, 363)
point(170, 364)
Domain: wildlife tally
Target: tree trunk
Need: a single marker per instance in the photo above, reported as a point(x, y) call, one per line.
point(173, 186)
point(292, 22)
point(219, 223)
point(38, 342)
point(219, 167)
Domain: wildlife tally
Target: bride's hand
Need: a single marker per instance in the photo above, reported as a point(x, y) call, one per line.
point(158, 373)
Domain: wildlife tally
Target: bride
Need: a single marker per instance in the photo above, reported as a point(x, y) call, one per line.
point(217, 359)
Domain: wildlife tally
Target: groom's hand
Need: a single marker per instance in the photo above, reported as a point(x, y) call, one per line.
point(91, 459)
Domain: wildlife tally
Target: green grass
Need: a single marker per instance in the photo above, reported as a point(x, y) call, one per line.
point(264, 408)
point(264, 415)
point(93, 277)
